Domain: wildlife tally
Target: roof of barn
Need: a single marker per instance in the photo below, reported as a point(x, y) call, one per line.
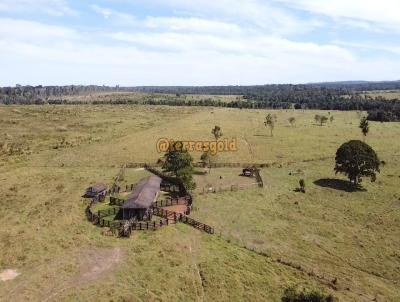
point(144, 193)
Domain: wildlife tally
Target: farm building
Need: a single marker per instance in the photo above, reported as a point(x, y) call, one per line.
point(98, 190)
point(139, 202)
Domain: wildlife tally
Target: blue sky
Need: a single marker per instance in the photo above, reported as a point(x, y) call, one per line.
point(197, 42)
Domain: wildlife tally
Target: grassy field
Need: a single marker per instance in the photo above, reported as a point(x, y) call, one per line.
point(49, 155)
point(137, 97)
point(386, 94)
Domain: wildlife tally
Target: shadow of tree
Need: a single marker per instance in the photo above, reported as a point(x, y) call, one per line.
point(338, 184)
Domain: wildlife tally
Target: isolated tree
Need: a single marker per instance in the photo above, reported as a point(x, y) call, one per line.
point(217, 132)
point(357, 159)
point(270, 122)
point(292, 121)
point(302, 185)
point(179, 162)
point(208, 159)
point(323, 120)
point(364, 126)
point(320, 119)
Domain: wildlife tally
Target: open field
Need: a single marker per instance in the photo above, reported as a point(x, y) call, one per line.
point(50, 154)
point(386, 94)
point(137, 97)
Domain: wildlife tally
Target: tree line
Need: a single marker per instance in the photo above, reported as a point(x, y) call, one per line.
point(325, 96)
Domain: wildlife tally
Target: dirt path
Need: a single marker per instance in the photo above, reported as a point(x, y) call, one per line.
point(96, 264)
point(8, 274)
point(177, 208)
point(249, 146)
point(92, 266)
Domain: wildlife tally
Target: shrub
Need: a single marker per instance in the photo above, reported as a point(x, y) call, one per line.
point(302, 185)
point(291, 294)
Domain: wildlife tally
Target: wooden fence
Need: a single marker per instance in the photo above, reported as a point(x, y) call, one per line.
point(170, 202)
point(228, 188)
point(259, 178)
point(183, 218)
point(118, 226)
point(114, 201)
point(115, 187)
point(172, 181)
point(213, 165)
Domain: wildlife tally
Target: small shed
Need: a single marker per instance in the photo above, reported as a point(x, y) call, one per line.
point(98, 190)
point(140, 201)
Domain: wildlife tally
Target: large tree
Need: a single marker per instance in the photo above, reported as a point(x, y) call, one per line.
point(357, 159)
point(179, 162)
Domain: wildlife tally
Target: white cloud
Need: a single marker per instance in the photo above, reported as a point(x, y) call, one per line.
point(212, 43)
point(35, 32)
point(249, 45)
point(247, 13)
point(188, 24)
point(191, 24)
point(117, 17)
point(50, 7)
point(383, 13)
point(171, 58)
point(369, 46)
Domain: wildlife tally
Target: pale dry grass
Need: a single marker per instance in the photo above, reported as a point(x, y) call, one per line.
point(351, 236)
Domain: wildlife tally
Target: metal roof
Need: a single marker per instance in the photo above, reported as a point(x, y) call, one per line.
point(144, 193)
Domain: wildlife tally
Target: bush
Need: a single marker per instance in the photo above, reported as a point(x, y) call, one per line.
point(291, 294)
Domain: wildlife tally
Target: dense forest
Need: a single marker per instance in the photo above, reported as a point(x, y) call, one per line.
point(325, 96)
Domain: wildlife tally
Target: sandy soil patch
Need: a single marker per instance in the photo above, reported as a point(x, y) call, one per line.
point(95, 265)
point(181, 209)
point(8, 274)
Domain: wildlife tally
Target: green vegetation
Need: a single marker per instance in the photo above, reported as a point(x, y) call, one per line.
point(217, 132)
point(291, 294)
point(292, 121)
point(357, 159)
point(364, 126)
point(270, 121)
point(179, 162)
point(320, 119)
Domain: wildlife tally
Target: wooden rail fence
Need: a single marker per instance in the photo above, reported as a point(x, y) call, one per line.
point(183, 218)
point(170, 202)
